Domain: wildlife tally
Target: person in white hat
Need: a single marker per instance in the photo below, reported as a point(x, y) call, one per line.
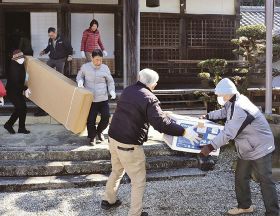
point(254, 141)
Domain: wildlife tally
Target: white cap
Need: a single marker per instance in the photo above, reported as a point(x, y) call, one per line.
point(226, 87)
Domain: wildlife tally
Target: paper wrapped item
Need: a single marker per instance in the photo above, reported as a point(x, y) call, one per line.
point(207, 130)
point(58, 95)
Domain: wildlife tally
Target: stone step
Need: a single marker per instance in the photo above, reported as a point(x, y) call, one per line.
point(76, 153)
point(30, 119)
point(48, 168)
point(12, 184)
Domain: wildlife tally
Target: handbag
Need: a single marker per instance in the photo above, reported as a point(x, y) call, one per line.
point(2, 90)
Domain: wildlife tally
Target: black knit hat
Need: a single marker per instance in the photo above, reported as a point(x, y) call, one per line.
point(17, 54)
point(94, 21)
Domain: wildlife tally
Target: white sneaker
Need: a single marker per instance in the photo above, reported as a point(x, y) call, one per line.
point(237, 211)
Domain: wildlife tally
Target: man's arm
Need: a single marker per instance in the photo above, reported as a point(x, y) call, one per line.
point(68, 47)
point(110, 80)
point(232, 128)
point(47, 48)
point(158, 119)
point(80, 75)
point(217, 114)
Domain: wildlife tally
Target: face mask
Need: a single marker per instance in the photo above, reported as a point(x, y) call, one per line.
point(20, 61)
point(221, 101)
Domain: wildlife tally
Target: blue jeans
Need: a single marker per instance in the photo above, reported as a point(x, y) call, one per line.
point(96, 108)
point(263, 169)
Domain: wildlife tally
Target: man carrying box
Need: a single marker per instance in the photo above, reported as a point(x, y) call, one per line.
point(60, 50)
point(137, 108)
point(96, 77)
point(254, 141)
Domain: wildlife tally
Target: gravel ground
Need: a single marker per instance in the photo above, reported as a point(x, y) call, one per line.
point(211, 195)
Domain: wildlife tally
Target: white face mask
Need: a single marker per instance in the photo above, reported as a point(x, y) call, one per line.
point(221, 100)
point(20, 61)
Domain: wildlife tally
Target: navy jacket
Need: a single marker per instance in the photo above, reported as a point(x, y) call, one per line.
point(61, 50)
point(137, 108)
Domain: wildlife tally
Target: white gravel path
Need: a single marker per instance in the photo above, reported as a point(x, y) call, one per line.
point(211, 195)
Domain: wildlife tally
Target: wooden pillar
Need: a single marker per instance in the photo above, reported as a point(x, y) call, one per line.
point(2, 44)
point(182, 31)
point(64, 27)
point(119, 41)
point(64, 19)
point(132, 40)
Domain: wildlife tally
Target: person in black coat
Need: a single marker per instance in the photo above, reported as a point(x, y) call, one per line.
point(16, 89)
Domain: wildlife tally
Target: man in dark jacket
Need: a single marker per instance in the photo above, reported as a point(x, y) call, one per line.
point(59, 50)
point(137, 108)
point(15, 89)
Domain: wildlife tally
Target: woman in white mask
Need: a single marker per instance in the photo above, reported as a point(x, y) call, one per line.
point(16, 90)
point(254, 142)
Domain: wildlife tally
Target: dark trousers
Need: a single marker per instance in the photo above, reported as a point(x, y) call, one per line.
point(263, 169)
point(20, 110)
point(96, 108)
point(58, 64)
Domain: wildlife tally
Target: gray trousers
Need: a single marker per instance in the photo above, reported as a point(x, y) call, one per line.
point(58, 64)
point(263, 169)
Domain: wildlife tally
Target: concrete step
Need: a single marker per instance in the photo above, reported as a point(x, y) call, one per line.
point(76, 153)
point(11, 184)
point(47, 168)
point(30, 119)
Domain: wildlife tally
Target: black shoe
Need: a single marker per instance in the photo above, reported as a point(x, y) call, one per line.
point(101, 137)
point(106, 205)
point(9, 129)
point(40, 113)
point(144, 214)
point(23, 131)
point(92, 141)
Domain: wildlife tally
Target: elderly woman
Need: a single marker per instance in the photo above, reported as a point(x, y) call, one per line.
point(16, 89)
point(137, 108)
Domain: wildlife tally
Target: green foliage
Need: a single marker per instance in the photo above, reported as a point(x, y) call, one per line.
point(214, 67)
point(204, 75)
point(251, 32)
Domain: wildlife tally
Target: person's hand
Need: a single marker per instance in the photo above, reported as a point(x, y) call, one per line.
point(203, 117)
point(69, 58)
point(27, 93)
point(113, 95)
point(81, 84)
point(105, 53)
point(191, 135)
point(206, 150)
point(1, 101)
point(83, 54)
point(42, 53)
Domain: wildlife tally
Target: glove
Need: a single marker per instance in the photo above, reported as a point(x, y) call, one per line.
point(204, 116)
point(105, 53)
point(27, 93)
point(113, 95)
point(42, 53)
point(69, 58)
point(83, 54)
point(205, 151)
point(191, 135)
point(81, 84)
point(1, 101)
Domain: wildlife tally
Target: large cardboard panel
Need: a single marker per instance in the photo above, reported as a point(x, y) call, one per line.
point(58, 95)
point(207, 133)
